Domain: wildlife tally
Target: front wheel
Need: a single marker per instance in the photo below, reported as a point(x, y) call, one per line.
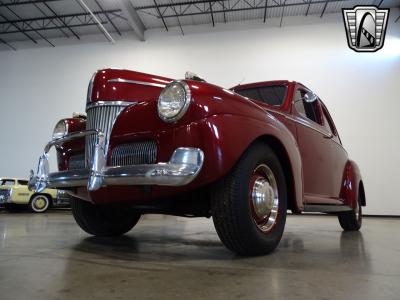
point(249, 204)
point(104, 220)
point(39, 203)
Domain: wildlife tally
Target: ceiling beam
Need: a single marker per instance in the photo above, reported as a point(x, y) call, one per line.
point(160, 14)
point(212, 15)
point(380, 3)
point(177, 17)
point(308, 7)
point(19, 29)
point(133, 18)
point(61, 16)
point(7, 44)
point(108, 17)
point(29, 25)
point(181, 3)
point(223, 7)
point(398, 18)
point(26, 2)
point(265, 10)
point(99, 23)
point(52, 21)
point(61, 20)
point(283, 11)
point(323, 10)
point(50, 28)
point(246, 8)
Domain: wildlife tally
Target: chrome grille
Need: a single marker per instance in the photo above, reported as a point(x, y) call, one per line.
point(76, 162)
point(101, 116)
point(144, 152)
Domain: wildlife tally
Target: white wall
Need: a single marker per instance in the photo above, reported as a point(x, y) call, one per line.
point(362, 91)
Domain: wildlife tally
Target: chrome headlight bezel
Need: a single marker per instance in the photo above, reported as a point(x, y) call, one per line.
point(61, 129)
point(179, 113)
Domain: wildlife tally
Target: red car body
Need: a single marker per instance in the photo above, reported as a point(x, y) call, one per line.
point(223, 124)
point(244, 156)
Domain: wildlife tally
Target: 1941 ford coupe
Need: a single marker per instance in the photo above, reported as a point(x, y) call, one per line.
point(244, 156)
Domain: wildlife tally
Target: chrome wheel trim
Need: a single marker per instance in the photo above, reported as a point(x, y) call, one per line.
point(264, 198)
point(40, 203)
point(357, 212)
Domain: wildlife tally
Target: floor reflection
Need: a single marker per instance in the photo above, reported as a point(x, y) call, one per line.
point(49, 257)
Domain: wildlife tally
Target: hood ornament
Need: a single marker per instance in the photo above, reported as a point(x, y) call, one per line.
point(192, 76)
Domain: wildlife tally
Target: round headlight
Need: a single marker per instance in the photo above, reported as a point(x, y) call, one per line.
point(174, 101)
point(60, 130)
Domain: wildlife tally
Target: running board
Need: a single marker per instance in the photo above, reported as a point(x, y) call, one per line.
point(326, 208)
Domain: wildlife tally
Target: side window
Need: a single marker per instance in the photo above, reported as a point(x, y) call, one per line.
point(328, 124)
point(7, 182)
point(298, 102)
point(307, 109)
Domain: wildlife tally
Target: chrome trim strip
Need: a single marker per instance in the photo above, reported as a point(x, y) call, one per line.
point(137, 82)
point(110, 103)
point(301, 122)
point(90, 88)
point(326, 208)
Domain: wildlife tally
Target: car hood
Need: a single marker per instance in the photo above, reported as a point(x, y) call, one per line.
point(125, 85)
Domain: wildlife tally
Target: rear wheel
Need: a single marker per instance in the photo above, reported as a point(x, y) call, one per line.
point(39, 203)
point(104, 220)
point(249, 204)
point(351, 220)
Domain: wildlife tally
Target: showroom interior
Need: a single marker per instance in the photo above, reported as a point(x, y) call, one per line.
point(49, 51)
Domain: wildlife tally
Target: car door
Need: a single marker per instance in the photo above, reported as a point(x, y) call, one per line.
point(315, 147)
point(338, 153)
point(21, 194)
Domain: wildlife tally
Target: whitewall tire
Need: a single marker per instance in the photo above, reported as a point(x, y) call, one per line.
point(39, 203)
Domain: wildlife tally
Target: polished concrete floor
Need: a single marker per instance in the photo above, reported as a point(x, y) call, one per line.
point(48, 257)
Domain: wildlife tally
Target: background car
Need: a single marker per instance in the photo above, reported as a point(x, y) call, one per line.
point(14, 194)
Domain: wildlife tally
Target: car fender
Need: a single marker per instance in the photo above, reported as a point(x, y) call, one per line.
point(225, 137)
point(352, 185)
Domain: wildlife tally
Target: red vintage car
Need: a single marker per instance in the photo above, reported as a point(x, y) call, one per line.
point(242, 156)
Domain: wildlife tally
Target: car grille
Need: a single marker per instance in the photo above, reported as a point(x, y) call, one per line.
point(101, 116)
point(144, 152)
point(77, 162)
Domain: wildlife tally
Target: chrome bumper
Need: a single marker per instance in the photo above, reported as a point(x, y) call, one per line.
point(182, 168)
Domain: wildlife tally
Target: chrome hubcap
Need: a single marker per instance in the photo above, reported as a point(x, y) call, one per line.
point(264, 198)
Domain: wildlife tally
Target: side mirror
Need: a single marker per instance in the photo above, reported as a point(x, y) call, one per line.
point(310, 97)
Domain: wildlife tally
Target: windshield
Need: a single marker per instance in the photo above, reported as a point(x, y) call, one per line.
point(7, 182)
point(272, 95)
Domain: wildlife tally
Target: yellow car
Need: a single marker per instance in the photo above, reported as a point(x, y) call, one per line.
point(14, 194)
